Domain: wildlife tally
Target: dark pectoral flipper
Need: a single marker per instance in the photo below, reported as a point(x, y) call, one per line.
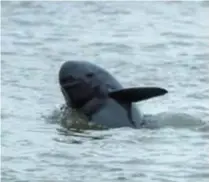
point(137, 94)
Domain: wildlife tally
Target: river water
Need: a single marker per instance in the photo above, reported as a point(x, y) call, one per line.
point(162, 44)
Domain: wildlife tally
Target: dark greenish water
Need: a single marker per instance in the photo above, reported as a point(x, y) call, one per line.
point(162, 44)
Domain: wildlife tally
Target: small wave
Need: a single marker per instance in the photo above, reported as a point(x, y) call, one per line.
point(172, 120)
point(72, 120)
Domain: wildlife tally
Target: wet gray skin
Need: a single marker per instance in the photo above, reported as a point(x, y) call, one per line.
point(94, 92)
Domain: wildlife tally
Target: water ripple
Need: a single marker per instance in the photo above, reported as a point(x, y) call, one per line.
point(141, 43)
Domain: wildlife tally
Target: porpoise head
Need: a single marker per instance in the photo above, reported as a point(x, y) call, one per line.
point(75, 83)
point(80, 82)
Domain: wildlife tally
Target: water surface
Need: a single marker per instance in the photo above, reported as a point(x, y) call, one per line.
point(142, 43)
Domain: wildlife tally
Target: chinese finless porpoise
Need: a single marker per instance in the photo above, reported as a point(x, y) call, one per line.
point(94, 92)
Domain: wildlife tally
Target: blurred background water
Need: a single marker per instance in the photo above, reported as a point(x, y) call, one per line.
point(143, 44)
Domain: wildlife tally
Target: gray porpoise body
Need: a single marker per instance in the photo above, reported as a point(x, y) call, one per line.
point(113, 115)
point(97, 94)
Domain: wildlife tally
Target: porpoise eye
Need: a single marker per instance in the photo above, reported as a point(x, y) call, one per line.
point(89, 75)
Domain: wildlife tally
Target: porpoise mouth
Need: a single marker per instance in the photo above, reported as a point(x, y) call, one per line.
point(69, 82)
point(79, 92)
